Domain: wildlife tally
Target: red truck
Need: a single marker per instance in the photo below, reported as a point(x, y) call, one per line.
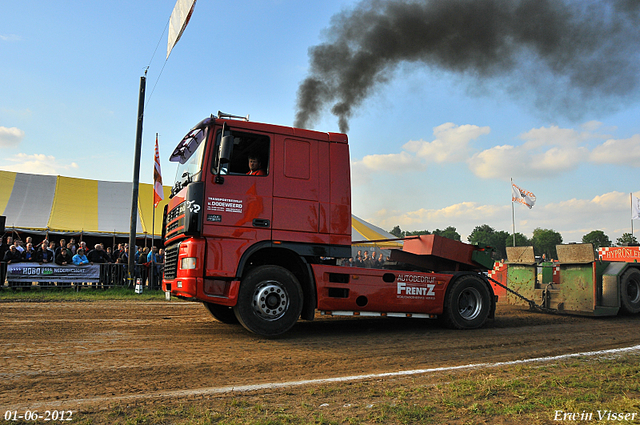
point(260, 214)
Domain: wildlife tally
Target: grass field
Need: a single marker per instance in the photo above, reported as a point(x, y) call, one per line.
point(84, 294)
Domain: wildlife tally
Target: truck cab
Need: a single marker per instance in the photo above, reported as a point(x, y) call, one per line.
point(224, 219)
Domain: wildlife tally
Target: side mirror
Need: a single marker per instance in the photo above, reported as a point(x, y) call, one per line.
point(226, 146)
point(224, 156)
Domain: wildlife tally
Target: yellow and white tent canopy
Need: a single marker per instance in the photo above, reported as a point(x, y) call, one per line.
point(40, 203)
point(364, 231)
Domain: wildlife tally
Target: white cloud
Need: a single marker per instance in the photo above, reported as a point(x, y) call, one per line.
point(10, 37)
point(618, 151)
point(463, 214)
point(545, 152)
point(451, 143)
point(10, 137)
point(37, 164)
point(395, 163)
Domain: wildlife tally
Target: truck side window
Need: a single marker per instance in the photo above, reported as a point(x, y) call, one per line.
point(250, 154)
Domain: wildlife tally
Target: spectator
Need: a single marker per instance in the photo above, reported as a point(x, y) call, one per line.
point(110, 255)
point(44, 255)
point(19, 246)
point(80, 259)
point(160, 256)
point(4, 247)
point(73, 247)
point(143, 266)
point(380, 261)
point(13, 255)
point(152, 260)
point(366, 260)
point(98, 255)
point(63, 245)
point(63, 256)
point(29, 254)
point(124, 256)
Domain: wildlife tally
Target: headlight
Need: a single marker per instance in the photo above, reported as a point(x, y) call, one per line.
point(188, 263)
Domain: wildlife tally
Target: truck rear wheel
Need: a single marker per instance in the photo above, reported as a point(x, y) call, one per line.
point(269, 301)
point(222, 313)
point(467, 303)
point(630, 291)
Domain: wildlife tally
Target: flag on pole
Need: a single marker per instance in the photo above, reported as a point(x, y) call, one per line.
point(635, 207)
point(158, 194)
point(522, 196)
point(178, 22)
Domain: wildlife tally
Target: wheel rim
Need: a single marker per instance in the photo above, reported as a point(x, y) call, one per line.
point(633, 291)
point(270, 300)
point(470, 303)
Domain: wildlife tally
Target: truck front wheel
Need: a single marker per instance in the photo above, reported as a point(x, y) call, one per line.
point(222, 313)
point(630, 291)
point(467, 303)
point(269, 301)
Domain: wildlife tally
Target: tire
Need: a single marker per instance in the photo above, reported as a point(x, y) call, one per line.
point(630, 291)
point(467, 304)
point(222, 313)
point(269, 301)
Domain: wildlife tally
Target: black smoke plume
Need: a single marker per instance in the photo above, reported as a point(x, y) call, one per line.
point(570, 55)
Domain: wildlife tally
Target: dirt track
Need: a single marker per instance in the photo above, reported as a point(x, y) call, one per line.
point(64, 355)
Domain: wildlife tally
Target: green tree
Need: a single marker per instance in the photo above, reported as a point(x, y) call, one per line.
point(626, 239)
point(397, 232)
point(417, 233)
point(545, 241)
point(487, 235)
point(597, 238)
point(450, 232)
point(521, 240)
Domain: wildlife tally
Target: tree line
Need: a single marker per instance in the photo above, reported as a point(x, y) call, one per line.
point(544, 241)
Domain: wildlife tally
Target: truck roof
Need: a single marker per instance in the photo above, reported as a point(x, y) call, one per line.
point(292, 131)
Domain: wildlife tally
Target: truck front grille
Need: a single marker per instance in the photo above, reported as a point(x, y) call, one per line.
point(171, 261)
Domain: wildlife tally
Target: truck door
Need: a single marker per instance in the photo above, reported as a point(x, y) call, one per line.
point(238, 207)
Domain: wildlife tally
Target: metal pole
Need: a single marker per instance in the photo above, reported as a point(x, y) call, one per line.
point(136, 180)
point(513, 218)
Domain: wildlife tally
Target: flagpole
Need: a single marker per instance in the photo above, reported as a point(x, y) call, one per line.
point(513, 217)
point(631, 203)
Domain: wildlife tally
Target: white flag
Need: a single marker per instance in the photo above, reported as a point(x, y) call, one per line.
point(522, 196)
point(635, 207)
point(178, 22)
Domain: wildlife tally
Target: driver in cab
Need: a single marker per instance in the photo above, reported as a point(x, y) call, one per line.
point(255, 167)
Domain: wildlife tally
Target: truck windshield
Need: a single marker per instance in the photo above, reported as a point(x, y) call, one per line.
point(188, 154)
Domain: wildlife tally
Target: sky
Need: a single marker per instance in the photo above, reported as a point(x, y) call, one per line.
point(431, 145)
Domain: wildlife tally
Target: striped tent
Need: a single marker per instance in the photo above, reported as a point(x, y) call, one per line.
point(367, 235)
point(40, 203)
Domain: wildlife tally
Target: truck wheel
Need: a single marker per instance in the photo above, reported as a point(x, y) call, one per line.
point(222, 313)
point(467, 303)
point(269, 301)
point(630, 291)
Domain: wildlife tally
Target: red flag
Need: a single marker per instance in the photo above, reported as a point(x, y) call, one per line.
point(158, 194)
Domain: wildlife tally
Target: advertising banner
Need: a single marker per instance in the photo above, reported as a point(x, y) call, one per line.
point(30, 272)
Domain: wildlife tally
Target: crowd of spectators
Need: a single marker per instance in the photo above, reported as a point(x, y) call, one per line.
point(372, 261)
point(71, 253)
